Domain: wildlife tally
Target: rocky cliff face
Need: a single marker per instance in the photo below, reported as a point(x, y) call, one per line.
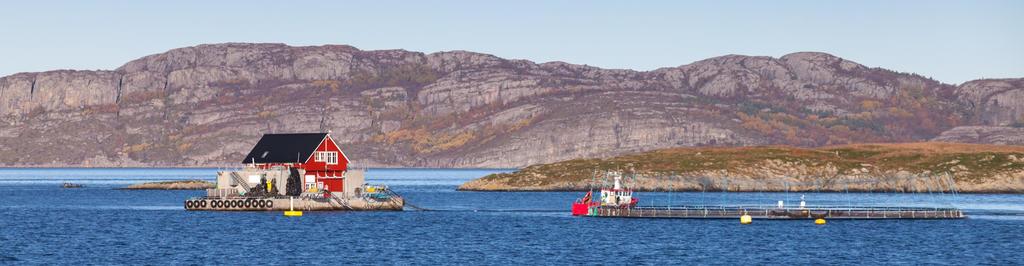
point(206, 105)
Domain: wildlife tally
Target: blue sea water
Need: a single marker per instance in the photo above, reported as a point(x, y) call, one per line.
point(41, 223)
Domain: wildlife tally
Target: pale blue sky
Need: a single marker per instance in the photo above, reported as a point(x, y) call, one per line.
point(951, 41)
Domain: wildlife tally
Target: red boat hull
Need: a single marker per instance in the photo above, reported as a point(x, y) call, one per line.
point(580, 209)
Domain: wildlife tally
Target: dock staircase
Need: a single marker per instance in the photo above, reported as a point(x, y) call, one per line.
point(341, 201)
point(241, 182)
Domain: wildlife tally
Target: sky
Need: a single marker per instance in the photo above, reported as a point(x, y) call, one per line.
point(950, 41)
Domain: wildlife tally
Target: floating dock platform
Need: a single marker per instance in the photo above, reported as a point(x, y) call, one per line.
point(254, 189)
point(295, 172)
point(286, 203)
point(773, 213)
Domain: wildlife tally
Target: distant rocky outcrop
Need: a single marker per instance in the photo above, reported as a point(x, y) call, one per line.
point(994, 102)
point(172, 185)
point(983, 134)
point(206, 105)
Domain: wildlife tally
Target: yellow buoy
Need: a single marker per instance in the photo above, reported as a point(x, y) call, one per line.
point(291, 212)
point(746, 219)
point(819, 221)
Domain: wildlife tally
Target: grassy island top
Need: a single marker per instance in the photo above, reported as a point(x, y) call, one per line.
point(969, 164)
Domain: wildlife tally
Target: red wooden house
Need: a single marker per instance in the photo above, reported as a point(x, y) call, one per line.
point(315, 155)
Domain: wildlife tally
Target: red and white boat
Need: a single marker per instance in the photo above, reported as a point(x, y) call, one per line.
point(615, 197)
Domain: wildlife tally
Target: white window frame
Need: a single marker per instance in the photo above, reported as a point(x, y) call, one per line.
point(329, 157)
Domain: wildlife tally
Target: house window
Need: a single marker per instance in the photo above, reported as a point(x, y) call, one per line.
point(329, 157)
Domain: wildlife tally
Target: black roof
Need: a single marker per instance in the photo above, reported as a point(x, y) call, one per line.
point(284, 148)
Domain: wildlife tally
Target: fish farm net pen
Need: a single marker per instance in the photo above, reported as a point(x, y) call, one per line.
point(885, 197)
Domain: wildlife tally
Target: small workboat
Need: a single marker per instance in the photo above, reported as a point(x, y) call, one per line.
point(614, 197)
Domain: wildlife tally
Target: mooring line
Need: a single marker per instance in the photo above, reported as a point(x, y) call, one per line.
point(418, 208)
point(498, 210)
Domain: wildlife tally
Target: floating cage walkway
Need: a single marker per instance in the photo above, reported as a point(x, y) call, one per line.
point(761, 212)
point(937, 187)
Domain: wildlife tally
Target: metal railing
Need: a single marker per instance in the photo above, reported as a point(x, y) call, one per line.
point(241, 181)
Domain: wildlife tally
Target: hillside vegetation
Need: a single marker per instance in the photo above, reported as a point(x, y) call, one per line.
point(921, 167)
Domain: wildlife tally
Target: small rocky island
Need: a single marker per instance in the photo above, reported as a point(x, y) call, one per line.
point(172, 185)
point(906, 167)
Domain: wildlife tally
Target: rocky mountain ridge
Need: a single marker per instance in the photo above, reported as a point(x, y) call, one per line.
point(206, 105)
